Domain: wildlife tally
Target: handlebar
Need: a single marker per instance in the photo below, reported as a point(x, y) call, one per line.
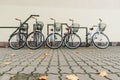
point(17, 19)
point(100, 19)
point(52, 19)
point(35, 15)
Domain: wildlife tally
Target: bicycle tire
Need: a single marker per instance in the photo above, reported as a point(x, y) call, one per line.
point(101, 44)
point(69, 42)
point(31, 44)
point(51, 44)
point(21, 42)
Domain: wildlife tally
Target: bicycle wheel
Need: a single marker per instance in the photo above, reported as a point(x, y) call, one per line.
point(17, 41)
point(35, 40)
point(72, 41)
point(54, 41)
point(100, 40)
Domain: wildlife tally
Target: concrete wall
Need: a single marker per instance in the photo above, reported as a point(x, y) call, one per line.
point(84, 12)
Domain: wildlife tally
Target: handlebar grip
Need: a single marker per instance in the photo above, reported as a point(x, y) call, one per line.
point(100, 19)
point(52, 19)
point(33, 17)
point(17, 19)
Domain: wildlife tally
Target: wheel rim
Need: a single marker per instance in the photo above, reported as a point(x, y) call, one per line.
point(17, 41)
point(35, 40)
point(72, 41)
point(54, 41)
point(100, 40)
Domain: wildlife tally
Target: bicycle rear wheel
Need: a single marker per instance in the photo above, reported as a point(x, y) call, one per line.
point(72, 41)
point(100, 40)
point(54, 41)
point(17, 41)
point(35, 40)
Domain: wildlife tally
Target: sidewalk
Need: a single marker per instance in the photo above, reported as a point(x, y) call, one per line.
point(84, 62)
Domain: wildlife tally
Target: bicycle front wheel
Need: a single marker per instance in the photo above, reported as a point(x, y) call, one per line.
point(100, 40)
point(35, 40)
point(72, 41)
point(17, 41)
point(54, 41)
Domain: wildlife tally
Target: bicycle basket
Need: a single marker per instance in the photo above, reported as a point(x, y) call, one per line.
point(38, 26)
point(57, 26)
point(24, 27)
point(102, 26)
point(75, 27)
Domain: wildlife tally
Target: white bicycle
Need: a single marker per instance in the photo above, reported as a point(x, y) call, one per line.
point(98, 38)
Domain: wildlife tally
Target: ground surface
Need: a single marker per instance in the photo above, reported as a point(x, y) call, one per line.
point(84, 62)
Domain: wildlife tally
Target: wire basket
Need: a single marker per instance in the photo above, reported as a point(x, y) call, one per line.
point(38, 26)
point(75, 27)
point(102, 26)
point(57, 26)
point(24, 27)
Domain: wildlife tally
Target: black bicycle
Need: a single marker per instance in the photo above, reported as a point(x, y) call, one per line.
point(35, 39)
point(71, 39)
point(17, 39)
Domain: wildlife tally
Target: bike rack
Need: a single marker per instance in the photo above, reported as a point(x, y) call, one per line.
point(48, 26)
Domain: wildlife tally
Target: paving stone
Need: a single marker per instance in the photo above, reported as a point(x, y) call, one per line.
point(100, 63)
point(53, 77)
point(44, 63)
point(97, 77)
point(113, 77)
point(84, 77)
point(34, 63)
point(25, 63)
point(77, 69)
point(54, 63)
point(113, 70)
point(21, 76)
point(28, 70)
point(88, 69)
point(91, 63)
point(82, 63)
point(109, 63)
point(99, 68)
point(72, 63)
point(5, 77)
point(41, 69)
point(53, 70)
point(65, 69)
point(117, 67)
point(4, 69)
point(63, 64)
point(16, 70)
point(15, 63)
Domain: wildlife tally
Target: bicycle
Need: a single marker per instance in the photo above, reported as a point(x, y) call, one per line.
point(98, 38)
point(35, 39)
point(54, 40)
point(17, 39)
point(71, 39)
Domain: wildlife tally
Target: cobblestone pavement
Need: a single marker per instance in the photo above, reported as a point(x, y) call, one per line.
point(84, 62)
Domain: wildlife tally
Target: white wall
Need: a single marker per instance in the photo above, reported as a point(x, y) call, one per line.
point(84, 12)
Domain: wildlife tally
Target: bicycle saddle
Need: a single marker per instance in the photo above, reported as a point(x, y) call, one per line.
point(91, 28)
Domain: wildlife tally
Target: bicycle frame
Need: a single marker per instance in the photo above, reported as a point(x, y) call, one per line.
point(90, 34)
